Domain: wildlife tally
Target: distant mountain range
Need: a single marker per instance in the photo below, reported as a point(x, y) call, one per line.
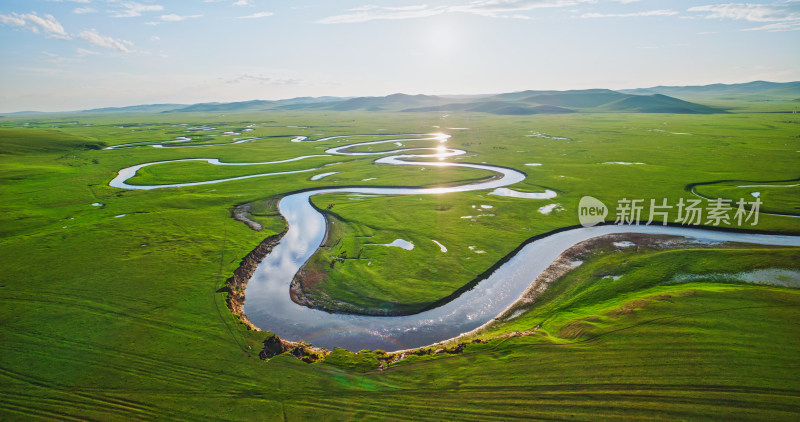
point(659, 99)
point(516, 103)
point(751, 90)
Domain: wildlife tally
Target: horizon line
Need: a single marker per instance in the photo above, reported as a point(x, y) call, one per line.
point(386, 95)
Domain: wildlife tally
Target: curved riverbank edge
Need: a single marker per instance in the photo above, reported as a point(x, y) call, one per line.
point(580, 252)
point(692, 188)
point(559, 268)
point(503, 260)
point(299, 296)
point(235, 287)
point(297, 288)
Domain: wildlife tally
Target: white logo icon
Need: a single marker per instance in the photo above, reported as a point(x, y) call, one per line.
point(591, 211)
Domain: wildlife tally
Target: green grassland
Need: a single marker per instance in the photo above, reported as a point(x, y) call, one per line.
point(707, 148)
point(777, 197)
point(108, 317)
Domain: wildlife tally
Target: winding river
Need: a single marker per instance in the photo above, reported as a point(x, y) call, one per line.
point(269, 306)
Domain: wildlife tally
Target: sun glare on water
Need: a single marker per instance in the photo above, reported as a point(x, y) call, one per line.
point(441, 151)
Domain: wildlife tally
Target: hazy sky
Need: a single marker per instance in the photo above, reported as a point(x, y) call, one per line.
point(76, 54)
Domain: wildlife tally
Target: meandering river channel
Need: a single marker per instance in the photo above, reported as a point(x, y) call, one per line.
point(269, 306)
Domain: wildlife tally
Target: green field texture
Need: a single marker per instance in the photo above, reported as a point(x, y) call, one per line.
point(111, 317)
point(782, 197)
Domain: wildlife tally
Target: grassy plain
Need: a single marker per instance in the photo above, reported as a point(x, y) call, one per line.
point(690, 149)
point(111, 317)
point(777, 197)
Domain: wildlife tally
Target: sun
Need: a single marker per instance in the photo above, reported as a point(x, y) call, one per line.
point(442, 38)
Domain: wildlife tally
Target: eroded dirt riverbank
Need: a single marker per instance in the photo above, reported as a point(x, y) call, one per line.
point(235, 287)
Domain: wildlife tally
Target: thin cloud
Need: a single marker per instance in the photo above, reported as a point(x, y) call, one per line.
point(177, 18)
point(243, 3)
point(257, 15)
point(53, 29)
point(782, 16)
point(487, 8)
point(133, 9)
point(662, 12)
point(508, 8)
point(82, 52)
point(35, 23)
point(752, 12)
point(778, 27)
point(172, 18)
point(93, 37)
point(83, 10)
point(13, 20)
point(54, 58)
point(262, 79)
point(370, 13)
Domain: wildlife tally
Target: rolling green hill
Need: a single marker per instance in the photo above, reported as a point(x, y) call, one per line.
point(23, 141)
point(578, 99)
point(146, 108)
point(560, 102)
point(381, 103)
point(257, 105)
point(507, 108)
point(237, 106)
point(656, 103)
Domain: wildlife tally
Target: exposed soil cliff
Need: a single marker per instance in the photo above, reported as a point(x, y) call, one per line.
point(236, 285)
point(274, 346)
